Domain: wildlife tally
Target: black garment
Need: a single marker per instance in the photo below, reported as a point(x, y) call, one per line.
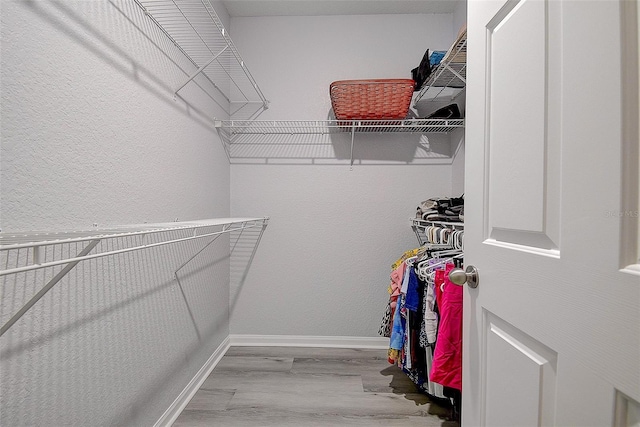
point(451, 111)
point(421, 73)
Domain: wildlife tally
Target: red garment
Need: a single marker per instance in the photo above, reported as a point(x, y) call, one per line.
point(447, 356)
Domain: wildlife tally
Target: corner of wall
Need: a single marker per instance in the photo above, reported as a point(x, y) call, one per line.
point(459, 16)
point(457, 165)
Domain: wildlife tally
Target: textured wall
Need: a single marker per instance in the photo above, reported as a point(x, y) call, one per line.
point(91, 134)
point(457, 168)
point(90, 130)
point(323, 264)
point(457, 176)
point(459, 16)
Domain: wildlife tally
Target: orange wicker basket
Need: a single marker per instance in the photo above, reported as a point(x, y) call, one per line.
point(380, 99)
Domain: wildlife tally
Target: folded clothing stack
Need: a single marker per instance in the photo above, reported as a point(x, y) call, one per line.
point(442, 209)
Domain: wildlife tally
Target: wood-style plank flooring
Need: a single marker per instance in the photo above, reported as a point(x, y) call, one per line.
point(292, 386)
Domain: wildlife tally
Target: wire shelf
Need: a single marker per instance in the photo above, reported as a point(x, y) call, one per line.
point(197, 229)
point(300, 133)
point(231, 128)
point(450, 73)
point(195, 28)
point(423, 223)
point(419, 227)
point(22, 253)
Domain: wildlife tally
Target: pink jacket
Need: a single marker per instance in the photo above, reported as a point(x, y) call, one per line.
point(447, 356)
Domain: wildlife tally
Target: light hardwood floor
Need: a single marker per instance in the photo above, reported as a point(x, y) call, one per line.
point(291, 386)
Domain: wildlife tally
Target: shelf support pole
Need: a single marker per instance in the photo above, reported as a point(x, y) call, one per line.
point(92, 244)
point(199, 70)
point(353, 131)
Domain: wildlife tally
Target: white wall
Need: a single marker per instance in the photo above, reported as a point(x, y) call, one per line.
point(459, 16)
point(324, 260)
point(457, 175)
point(457, 169)
point(323, 264)
point(91, 134)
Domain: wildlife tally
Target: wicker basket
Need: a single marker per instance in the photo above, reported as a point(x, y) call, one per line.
point(381, 99)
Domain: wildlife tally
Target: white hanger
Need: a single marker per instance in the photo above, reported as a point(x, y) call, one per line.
point(446, 252)
point(409, 261)
point(425, 271)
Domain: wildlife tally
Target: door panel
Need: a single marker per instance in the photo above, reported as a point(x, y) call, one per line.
point(630, 209)
point(552, 334)
point(516, 157)
point(520, 370)
point(523, 143)
point(627, 411)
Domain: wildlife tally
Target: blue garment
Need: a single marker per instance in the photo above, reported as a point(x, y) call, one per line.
point(413, 292)
point(397, 331)
point(436, 57)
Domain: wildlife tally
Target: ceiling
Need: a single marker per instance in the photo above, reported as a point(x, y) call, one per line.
point(336, 7)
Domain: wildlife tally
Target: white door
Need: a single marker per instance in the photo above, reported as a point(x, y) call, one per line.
point(552, 333)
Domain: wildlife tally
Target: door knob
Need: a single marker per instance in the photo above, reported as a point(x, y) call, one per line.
point(460, 277)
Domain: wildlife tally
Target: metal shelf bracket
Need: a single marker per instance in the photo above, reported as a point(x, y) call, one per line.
point(201, 69)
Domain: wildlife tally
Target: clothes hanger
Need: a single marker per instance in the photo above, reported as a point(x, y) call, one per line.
point(427, 248)
point(409, 261)
point(452, 251)
point(425, 266)
point(424, 270)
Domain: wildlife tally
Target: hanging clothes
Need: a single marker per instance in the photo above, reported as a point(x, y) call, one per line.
point(398, 329)
point(406, 350)
point(447, 357)
point(413, 291)
point(430, 316)
point(394, 289)
point(423, 317)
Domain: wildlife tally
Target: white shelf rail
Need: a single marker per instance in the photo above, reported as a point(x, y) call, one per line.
point(450, 73)
point(292, 127)
point(196, 29)
point(129, 238)
point(419, 227)
point(231, 130)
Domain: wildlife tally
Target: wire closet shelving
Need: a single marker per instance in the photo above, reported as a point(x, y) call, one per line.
point(196, 29)
point(233, 131)
point(232, 128)
point(419, 227)
point(450, 73)
point(38, 250)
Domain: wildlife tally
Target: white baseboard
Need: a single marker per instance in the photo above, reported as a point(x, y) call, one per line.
point(308, 341)
point(170, 415)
